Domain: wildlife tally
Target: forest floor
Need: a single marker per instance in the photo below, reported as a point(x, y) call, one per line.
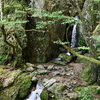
point(68, 74)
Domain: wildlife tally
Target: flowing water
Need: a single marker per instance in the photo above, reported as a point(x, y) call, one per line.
point(35, 95)
point(74, 34)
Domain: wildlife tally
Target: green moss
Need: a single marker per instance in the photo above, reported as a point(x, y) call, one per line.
point(58, 87)
point(44, 95)
point(65, 57)
point(86, 93)
point(84, 61)
point(85, 74)
point(91, 88)
point(2, 70)
point(4, 98)
point(25, 81)
point(98, 91)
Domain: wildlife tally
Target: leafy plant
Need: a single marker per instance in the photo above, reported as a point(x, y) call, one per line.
point(86, 94)
point(84, 48)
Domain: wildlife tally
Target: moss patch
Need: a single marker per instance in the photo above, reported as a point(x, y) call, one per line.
point(25, 83)
point(44, 95)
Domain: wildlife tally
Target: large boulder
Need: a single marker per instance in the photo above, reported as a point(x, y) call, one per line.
point(13, 84)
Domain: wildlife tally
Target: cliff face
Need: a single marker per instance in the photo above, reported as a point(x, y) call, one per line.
point(40, 46)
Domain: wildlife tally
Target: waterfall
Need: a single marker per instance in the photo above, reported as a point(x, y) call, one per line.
point(35, 95)
point(74, 34)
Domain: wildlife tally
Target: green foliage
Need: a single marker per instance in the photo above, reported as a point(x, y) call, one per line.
point(57, 42)
point(50, 18)
point(84, 48)
point(2, 59)
point(86, 94)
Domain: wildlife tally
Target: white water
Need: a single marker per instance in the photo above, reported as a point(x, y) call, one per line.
point(35, 95)
point(74, 34)
point(73, 40)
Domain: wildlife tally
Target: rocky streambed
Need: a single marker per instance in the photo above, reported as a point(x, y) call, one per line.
point(59, 81)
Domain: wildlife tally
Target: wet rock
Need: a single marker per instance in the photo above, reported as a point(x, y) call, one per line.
point(48, 83)
point(40, 67)
point(56, 68)
point(43, 71)
point(30, 69)
point(34, 79)
point(50, 67)
point(33, 73)
point(30, 65)
point(68, 74)
point(55, 73)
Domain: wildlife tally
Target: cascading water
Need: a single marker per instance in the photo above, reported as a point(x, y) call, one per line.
point(35, 95)
point(74, 34)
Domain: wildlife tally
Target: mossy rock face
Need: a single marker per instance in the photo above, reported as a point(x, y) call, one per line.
point(11, 77)
point(24, 82)
point(15, 85)
point(9, 93)
point(85, 74)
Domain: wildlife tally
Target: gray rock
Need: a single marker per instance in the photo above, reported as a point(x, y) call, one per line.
point(34, 79)
point(50, 82)
point(55, 73)
point(57, 88)
point(40, 67)
point(30, 69)
point(42, 72)
point(30, 65)
point(33, 74)
point(56, 67)
point(50, 67)
point(62, 74)
point(73, 95)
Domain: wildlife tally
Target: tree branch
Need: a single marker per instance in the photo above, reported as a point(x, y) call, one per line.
point(5, 38)
point(73, 52)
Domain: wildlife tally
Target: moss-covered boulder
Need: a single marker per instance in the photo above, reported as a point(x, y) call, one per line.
point(85, 74)
point(56, 91)
point(13, 84)
point(66, 57)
